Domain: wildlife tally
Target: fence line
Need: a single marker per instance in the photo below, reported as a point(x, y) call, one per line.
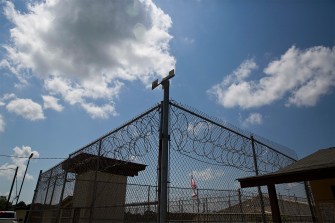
point(115, 178)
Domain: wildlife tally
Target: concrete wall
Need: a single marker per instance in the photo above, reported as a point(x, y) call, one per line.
point(324, 199)
point(107, 197)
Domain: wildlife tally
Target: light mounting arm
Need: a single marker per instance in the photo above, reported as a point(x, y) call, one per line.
point(156, 83)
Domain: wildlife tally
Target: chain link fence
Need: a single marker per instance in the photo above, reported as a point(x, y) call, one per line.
point(115, 178)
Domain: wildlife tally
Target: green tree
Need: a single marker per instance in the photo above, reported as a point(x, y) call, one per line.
point(3, 202)
point(21, 204)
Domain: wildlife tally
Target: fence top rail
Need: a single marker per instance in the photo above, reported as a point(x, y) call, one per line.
point(215, 121)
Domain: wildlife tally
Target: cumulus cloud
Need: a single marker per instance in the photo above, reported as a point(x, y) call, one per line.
point(303, 76)
point(7, 169)
point(26, 108)
point(76, 94)
point(99, 111)
point(207, 174)
point(241, 73)
point(5, 98)
point(90, 48)
point(52, 103)
point(253, 119)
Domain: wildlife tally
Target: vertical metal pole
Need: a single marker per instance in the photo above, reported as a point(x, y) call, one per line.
point(11, 189)
point(159, 164)
point(198, 203)
point(24, 176)
point(256, 171)
point(309, 199)
point(163, 158)
point(61, 195)
point(95, 185)
point(34, 197)
point(165, 153)
point(46, 194)
point(148, 209)
point(53, 190)
point(241, 205)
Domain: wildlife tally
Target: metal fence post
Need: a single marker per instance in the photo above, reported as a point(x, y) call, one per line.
point(34, 197)
point(48, 185)
point(148, 208)
point(95, 184)
point(241, 205)
point(164, 155)
point(159, 163)
point(53, 190)
point(257, 173)
point(61, 196)
point(309, 199)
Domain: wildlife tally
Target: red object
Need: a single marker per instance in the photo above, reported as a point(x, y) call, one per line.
point(193, 183)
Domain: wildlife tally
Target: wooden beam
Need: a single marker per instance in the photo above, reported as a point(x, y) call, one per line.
point(274, 203)
point(287, 177)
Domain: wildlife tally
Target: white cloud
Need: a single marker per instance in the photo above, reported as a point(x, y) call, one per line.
point(242, 72)
point(52, 103)
point(26, 108)
point(92, 47)
point(5, 98)
point(2, 124)
point(8, 169)
point(199, 128)
point(99, 111)
point(5, 64)
point(207, 174)
point(78, 94)
point(302, 75)
point(253, 119)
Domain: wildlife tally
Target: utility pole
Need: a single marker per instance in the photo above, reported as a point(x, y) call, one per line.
point(24, 176)
point(11, 189)
point(164, 155)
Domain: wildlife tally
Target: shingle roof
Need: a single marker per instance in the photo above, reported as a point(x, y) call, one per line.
point(323, 158)
point(319, 165)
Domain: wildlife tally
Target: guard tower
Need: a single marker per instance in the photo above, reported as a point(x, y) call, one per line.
point(100, 186)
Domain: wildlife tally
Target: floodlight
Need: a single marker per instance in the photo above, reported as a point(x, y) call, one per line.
point(154, 84)
point(171, 75)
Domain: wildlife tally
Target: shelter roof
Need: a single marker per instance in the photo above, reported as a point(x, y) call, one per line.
point(319, 165)
point(85, 162)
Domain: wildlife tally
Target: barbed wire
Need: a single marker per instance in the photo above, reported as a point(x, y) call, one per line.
point(213, 149)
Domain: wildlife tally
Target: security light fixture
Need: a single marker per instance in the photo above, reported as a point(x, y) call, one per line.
point(155, 83)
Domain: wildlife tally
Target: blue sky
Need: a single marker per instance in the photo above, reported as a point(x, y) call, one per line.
point(72, 71)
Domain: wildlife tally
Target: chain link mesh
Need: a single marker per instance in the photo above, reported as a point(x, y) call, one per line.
point(115, 178)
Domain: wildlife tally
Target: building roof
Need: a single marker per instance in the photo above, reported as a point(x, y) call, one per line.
point(319, 165)
point(253, 205)
point(84, 162)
